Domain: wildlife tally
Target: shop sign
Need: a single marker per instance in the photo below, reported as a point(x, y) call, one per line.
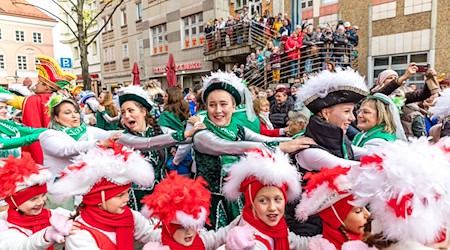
point(179, 67)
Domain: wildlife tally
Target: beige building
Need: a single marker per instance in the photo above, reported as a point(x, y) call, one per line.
point(121, 42)
point(177, 27)
point(25, 33)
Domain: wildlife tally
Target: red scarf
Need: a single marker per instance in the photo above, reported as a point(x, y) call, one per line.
point(336, 237)
point(121, 224)
point(34, 223)
point(167, 239)
point(279, 232)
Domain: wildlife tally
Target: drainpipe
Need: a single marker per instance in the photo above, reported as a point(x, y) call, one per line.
point(434, 12)
point(370, 75)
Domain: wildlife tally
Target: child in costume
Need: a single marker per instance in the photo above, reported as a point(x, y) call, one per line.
point(328, 193)
point(182, 205)
point(268, 182)
point(103, 177)
point(27, 224)
point(407, 187)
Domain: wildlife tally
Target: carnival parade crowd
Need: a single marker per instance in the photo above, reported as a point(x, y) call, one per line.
point(326, 164)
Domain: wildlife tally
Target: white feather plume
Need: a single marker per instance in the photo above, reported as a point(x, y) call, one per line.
point(275, 170)
point(441, 109)
point(416, 168)
point(19, 88)
point(102, 163)
point(318, 86)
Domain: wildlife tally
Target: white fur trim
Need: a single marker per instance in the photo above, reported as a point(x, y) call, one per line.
point(102, 163)
point(20, 89)
point(269, 171)
point(230, 78)
point(318, 86)
point(188, 220)
point(136, 90)
point(418, 168)
point(441, 109)
point(35, 179)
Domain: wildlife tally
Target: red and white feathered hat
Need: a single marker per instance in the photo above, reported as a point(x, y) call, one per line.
point(22, 179)
point(102, 169)
point(265, 169)
point(408, 189)
point(330, 187)
point(179, 200)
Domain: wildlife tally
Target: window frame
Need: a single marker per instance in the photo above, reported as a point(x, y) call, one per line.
point(23, 63)
point(123, 18)
point(139, 11)
point(306, 4)
point(2, 62)
point(127, 50)
point(21, 36)
point(158, 33)
point(190, 41)
point(35, 40)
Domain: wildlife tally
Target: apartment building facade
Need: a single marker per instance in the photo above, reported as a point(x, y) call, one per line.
point(25, 33)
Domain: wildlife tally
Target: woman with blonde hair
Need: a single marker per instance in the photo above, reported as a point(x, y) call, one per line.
point(106, 107)
point(262, 110)
point(379, 121)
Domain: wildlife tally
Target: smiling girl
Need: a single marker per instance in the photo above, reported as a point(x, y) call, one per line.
point(103, 177)
point(27, 224)
point(268, 182)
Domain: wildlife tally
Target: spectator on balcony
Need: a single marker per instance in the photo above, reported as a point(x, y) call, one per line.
point(294, 88)
point(266, 53)
point(279, 111)
point(270, 96)
point(292, 47)
point(340, 44)
point(285, 31)
point(268, 28)
point(351, 34)
point(311, 48)
point(277, 25)
point(317, 34)
point(275, 63)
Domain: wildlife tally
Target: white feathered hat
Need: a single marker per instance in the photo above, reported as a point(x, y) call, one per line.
point(233, 85)
point(408, 189)
point(99, 169)
point(19, 89)
point(441, 108)
point(268, 169)
point(330, 88)
point(135, 93)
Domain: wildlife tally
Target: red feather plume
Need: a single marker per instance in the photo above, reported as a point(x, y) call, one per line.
point(178, 193)
point(325, 175)
point(16, 170)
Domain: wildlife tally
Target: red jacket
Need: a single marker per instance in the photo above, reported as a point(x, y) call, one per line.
point(293, 46)
point(269, 132)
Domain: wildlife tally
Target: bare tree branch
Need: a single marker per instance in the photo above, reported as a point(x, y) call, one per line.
point(100, 12)
point(48, 12)
point(74, 5)
point(106, 22)
point(65, 11)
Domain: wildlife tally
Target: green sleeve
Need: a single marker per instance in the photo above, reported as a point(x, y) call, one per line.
point(24, 130)
point(100, 121)
point(10, 143)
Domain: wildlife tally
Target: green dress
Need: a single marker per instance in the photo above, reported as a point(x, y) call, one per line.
point(376, 132)
point(13, 136)
point(157, 159)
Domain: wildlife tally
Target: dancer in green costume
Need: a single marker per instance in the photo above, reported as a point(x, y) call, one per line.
point(218, 147)
point(143, 133)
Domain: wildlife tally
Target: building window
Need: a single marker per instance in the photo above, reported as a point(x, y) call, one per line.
point(139, 10)
point(76, 53)
point(417, 6)
point(37, 37)
point(123, 17)
point(307, 4)
point(94, 48)
point(22, 63)
point(125, 50)
point(159, 39)
point(2, 61)
point(330, 20)
point(399, 63)
point(0, 34)
point(383, 11)
point(20, 36)
point(193, 33)
point(112, 56)
point(106, 54)
point(140, 50)
point(239, 4)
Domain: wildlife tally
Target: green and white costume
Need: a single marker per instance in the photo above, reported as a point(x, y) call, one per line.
point(13, 136)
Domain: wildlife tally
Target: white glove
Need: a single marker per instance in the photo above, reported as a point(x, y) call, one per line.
point(155, 246)
point(240, 238)
point(60, 227)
